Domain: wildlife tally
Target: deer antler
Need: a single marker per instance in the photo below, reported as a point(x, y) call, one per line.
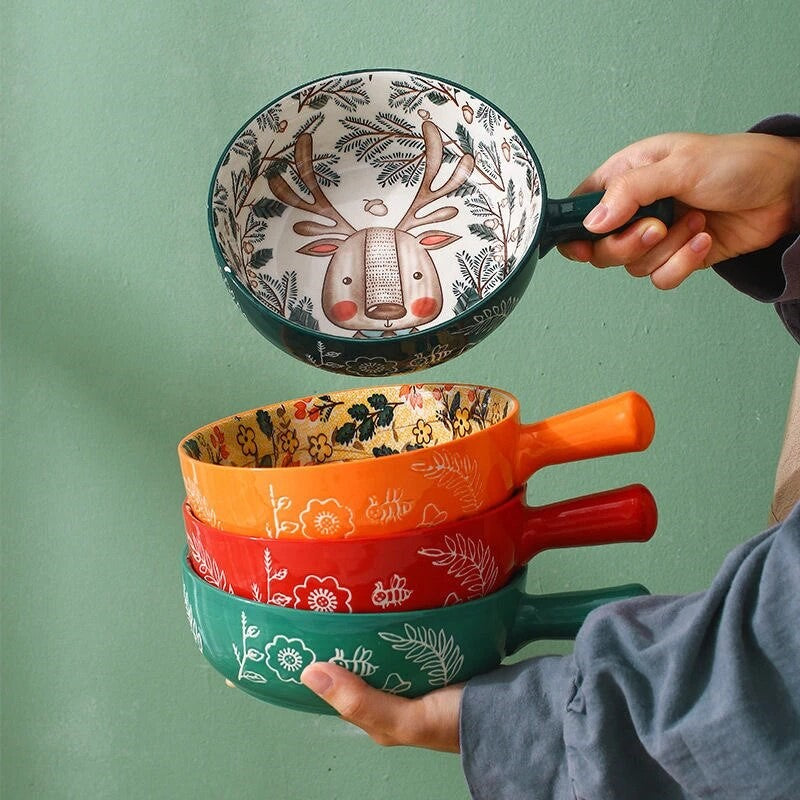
point(433, 162)
point(304, 161)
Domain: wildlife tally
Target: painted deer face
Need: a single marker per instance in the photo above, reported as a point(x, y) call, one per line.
point(378, 278)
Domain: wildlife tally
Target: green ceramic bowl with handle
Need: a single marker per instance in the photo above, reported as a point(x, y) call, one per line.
point(264, 648)
point(382, 221)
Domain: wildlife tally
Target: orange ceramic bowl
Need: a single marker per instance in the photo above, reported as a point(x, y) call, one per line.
point(381, 460)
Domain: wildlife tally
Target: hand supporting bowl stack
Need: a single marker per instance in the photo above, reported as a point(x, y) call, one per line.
point(428, 567)
point(382, 460)
point(263, 648)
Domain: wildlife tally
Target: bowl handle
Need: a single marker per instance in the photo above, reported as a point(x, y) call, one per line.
point(623, 423)
point(564, 219)
point(560, 616)
point(627, 514)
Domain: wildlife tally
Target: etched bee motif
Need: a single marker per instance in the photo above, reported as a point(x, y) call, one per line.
point(394, 594)
point(390, 509)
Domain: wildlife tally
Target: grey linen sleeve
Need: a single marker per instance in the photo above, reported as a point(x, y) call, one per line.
point(696, 696)
point(772, 275)
point(664, 697)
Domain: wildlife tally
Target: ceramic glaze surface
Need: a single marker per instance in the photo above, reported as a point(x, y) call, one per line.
point(381, 460)
point(375, 204)
point(438, 565)
point(263, 649)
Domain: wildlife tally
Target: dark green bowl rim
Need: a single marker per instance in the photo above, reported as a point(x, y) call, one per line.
point(375, 344)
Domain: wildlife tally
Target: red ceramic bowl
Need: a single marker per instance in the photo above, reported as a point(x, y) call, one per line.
point(424, 568)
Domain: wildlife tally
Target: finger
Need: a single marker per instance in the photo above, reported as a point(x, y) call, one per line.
point(679, 234)
point(373, 711)
point(430, 721)
point(576, 251)
point(627, 192)
point(690, 258)
point(629, 244)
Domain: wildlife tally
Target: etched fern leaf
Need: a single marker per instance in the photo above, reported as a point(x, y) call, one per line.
point(458, 475)
point(436, 653)
point(207, 568)
point(469, 560)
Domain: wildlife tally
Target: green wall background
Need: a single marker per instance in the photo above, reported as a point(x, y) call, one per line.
point(118, 337)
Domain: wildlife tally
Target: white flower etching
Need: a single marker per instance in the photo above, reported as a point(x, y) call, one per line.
point(459, 475)
point(371, 365)
point(322, 594)
point(360, 664)
point(433, 651)
point(198, 639)
point(326, 519)
point(395, 594)
point(393, 508)
point(248, 654)
point(287, 658)
point(469, 560)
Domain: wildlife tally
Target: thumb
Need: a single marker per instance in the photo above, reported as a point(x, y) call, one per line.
point(630, 190)
point(354, 699)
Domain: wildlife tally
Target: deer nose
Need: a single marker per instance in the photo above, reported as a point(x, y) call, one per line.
point(386, 311)
point(383, 285)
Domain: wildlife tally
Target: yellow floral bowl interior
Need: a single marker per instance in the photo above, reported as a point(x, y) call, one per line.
point(350, 425)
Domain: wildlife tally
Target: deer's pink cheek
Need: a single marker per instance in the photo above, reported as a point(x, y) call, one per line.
point(344, 310)
point(424, 307)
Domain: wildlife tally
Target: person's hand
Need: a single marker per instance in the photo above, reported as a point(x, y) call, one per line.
point(736, 193)
point(429, 721)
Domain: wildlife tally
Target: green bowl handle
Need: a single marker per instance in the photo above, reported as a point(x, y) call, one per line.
point(564, 219)
point(560, 616)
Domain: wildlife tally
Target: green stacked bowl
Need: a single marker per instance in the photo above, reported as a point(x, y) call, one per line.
point(263, 648)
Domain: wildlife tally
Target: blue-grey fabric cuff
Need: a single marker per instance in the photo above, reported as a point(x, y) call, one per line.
point(769, 275)
point(512, 730)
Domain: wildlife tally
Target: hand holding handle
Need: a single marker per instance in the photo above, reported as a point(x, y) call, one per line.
point(627, 514)
point(620, 424)
point(560, 616)
point(564, 219)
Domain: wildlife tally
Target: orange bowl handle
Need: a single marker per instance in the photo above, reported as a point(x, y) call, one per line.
point(620, 424)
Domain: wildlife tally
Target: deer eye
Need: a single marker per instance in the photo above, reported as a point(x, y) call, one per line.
point(347, 281)
point(417, 276)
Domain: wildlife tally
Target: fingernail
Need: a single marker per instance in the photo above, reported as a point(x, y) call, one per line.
point(652, 235)
point(596, 215)
point(700, 242)
point(319, 682)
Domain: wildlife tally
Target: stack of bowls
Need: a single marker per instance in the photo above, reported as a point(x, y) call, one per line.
point(386, 529)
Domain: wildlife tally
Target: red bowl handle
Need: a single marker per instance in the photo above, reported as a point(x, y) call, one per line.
point(627, 514)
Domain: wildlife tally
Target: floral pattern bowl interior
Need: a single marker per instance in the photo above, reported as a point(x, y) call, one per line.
point(263, 648)
point(381, 460)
